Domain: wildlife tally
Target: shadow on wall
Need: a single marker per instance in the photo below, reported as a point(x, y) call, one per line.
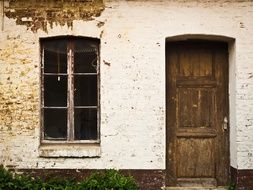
point(205, 37)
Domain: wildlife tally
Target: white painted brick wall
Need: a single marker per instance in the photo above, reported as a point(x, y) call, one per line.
point(132, 87)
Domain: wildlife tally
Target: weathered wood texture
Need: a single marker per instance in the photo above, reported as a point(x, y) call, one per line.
point(197, 103)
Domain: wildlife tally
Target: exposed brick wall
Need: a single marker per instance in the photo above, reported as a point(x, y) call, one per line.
point(132, 58)
point(39, 14)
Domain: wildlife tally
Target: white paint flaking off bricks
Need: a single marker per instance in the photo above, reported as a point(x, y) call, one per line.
point(132, 81)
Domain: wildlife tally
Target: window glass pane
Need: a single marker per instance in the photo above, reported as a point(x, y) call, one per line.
point(55, 91)
point(85, 57)
point(55, 124)
point(55, 56)
point(85, 88)
point(85, 124)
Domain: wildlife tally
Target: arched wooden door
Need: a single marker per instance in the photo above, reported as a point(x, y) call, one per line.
point(197, 113)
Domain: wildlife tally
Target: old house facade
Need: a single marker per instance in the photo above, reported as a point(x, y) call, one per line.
point(160, 89)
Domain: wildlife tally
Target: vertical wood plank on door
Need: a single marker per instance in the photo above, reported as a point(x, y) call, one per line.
point(194, 61)
point(171, 102)
point(205, 56)
point(221, 66)
point(184, 63)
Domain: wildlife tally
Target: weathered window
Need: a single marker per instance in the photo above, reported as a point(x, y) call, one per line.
point(70, 80)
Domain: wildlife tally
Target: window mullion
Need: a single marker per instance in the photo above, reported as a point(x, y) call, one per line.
point(70, 92)
point(42, 93)
point(98, 95)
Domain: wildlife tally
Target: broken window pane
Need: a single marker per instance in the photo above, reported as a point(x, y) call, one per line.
point(55, 91)
point(55, 56)
point(85, 124)
point(55, 124)
point(85, 90)
point(85, 57)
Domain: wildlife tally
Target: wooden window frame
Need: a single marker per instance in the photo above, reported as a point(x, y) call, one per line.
point(70, 92)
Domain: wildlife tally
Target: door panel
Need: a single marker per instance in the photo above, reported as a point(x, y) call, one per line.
point(197, 102)
point(195, 107)
point(200, 154)
point(191, 63)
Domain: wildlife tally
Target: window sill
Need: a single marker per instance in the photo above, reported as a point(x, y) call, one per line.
point(70, 150)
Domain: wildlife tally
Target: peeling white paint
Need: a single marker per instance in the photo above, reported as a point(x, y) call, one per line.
point(132, 82)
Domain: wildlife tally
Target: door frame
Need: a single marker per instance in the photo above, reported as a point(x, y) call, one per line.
point(230, 58)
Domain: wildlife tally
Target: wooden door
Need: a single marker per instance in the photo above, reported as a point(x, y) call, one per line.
point(196, 112)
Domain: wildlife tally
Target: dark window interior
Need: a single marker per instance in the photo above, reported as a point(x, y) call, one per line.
point(55, 91)
point(55, 56)
point(55, 123)
point(85, 57)
point(85, 120)
point(85, 90)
